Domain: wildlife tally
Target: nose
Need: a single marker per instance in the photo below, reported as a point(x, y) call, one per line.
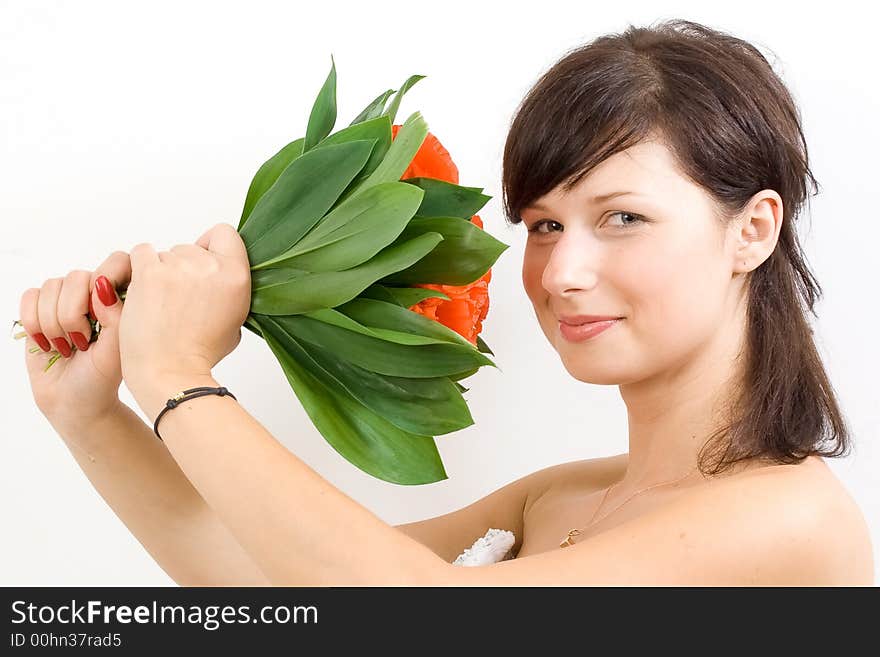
point(571, 267)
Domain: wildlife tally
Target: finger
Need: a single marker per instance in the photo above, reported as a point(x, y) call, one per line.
point(117, 269)
point(27, 313)
point(73, 306)
point(47, 311)
point(223, 239)
point(142, 255)
point(165, 256)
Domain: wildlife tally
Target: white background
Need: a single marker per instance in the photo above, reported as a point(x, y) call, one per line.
point(124, 122)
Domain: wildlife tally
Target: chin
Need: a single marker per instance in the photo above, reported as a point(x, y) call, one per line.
point(593, 373)
point(602, 371)
point(603, 367)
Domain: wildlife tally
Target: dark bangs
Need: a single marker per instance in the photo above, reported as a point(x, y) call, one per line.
point(713, 99)
point(585, 109)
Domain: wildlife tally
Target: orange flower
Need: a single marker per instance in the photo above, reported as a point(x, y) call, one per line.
point(468, 305)
point(431, 160)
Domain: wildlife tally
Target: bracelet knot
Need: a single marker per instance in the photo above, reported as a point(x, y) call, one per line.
point(185, 395)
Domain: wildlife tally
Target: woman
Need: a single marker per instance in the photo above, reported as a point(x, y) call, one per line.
point(659, 173)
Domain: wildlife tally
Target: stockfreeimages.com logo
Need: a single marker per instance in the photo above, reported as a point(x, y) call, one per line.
point(209, 616)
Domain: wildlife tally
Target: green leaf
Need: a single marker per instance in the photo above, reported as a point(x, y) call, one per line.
point(401, 152)
point(380, 292)
point(426, 406)
point(445, 199)
point(378, 129)
point(323, 115)
point(466, 254)
point(483, 347)
point(402, 296)
point(267, 174)
point(303, 193)
point(252, 326)
point(374, 109)
point(391, 112)
point(410, 296)
point(382, 356)
point(359, 435)
point(336, 318)
point(463, 375)
point(382, 315)
point(265, 277)
point(301, 292)
point(355, 230)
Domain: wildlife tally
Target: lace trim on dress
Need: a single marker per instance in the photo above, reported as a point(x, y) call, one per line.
point(496, 545)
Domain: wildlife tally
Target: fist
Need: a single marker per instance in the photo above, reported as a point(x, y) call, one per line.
point(185, 307)
point(83, 384)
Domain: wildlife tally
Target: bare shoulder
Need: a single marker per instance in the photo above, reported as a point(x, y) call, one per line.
point(803, 509)
point(565, 477)
point(773, 525)
point(504, 508)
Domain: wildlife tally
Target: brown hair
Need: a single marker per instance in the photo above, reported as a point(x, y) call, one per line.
point(735, 130)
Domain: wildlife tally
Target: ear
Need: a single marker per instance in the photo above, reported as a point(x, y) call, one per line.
point(757, 231)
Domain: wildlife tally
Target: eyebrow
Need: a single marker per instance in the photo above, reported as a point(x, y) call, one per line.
point(599, 198)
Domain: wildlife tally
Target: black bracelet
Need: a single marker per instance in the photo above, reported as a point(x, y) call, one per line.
point(183, 396)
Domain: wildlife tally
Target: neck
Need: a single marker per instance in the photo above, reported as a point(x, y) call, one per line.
point(671, 415)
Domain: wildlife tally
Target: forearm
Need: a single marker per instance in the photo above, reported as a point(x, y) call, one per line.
point(137, 477)
point(299, 528)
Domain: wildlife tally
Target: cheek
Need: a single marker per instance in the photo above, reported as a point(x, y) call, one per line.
point(532, 273)
point(676, 300)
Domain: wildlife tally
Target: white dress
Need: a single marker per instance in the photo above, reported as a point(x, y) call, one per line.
point(493, 547)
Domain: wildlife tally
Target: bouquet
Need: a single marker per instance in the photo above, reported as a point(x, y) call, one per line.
point(370, 272)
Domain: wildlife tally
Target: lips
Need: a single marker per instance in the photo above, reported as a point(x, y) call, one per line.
point(577, 320)
point(587, 330)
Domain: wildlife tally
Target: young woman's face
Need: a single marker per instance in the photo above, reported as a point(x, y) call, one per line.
point(658, 258)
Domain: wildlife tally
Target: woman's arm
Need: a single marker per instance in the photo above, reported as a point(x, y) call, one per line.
point(297, 527)
point(137, 477)
point(302, 531)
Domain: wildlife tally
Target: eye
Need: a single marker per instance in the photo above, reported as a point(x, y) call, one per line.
point(637, 217)
point(534, 229)
point(635, 220)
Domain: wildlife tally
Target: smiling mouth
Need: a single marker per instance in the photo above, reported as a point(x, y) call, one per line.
point(586, 330)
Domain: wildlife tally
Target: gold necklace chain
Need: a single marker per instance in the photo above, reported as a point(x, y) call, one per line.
point(575, 532)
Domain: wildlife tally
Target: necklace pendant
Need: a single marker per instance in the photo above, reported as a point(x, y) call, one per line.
point(568, 541)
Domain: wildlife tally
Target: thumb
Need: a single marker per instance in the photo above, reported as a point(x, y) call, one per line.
point(107, 308)
point(107, 345)
point(106, 356)
point(114, 273)
point(105, 302)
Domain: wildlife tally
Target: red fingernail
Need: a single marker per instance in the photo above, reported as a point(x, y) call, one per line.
point(106, 293)
point(41, 340)
point(62, 346)
point(92, 309)
point(80, 341)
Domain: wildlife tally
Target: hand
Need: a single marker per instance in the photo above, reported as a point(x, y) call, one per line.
point(82, 385)
point(183, 310)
